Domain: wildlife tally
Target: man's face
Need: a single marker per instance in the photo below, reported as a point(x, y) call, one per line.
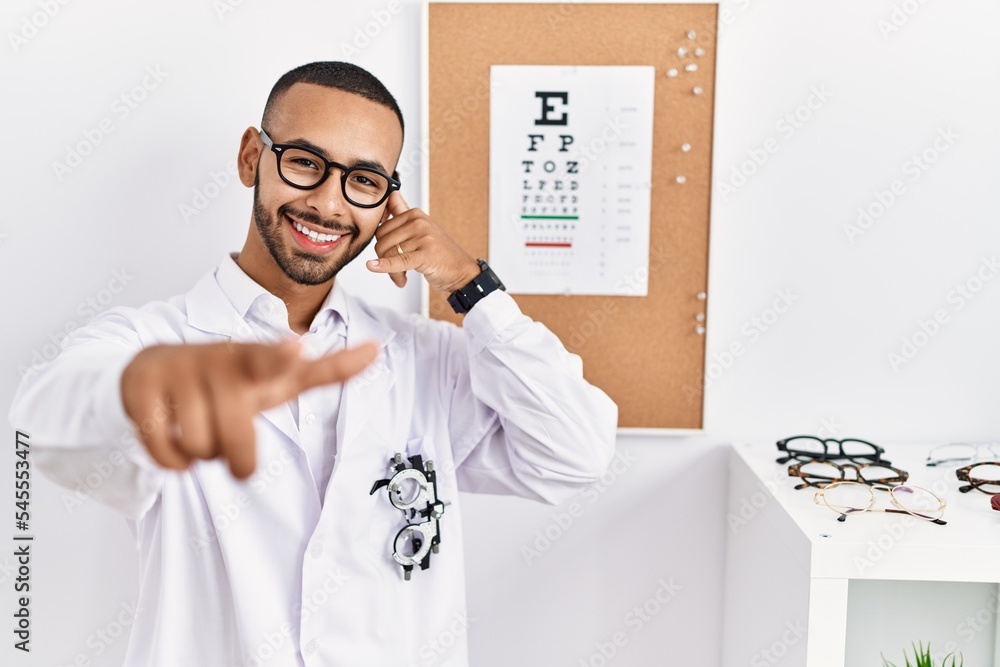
point(348, 129)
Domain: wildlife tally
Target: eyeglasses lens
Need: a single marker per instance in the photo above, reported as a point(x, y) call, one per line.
point(956, 453)
point(407, 491)
point(987, 476)
point(859, 449)
point(879, 475)
point(918, 502)
point(819, 473)
point(846, 497)
point(807, 445)
point(306, 169)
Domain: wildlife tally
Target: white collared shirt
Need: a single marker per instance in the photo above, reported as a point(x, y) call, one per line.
point(315, 411)
point(259, 572)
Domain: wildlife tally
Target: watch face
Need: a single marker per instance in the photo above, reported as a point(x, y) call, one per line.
point(496, 278)
point(491, 274)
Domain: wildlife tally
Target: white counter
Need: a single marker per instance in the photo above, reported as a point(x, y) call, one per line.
point(793, 569)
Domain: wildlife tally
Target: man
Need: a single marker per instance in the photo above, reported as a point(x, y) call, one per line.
point(258, 495)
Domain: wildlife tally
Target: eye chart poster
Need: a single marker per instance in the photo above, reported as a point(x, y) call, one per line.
point(570, 165)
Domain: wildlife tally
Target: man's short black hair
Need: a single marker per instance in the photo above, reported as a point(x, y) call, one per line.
point(333, 74)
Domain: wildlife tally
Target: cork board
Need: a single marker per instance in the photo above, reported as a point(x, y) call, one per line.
point(647, 353)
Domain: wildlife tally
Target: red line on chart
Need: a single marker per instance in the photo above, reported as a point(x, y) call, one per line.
point(530, 244)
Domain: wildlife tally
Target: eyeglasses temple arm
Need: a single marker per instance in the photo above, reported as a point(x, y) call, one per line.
point(939, 522)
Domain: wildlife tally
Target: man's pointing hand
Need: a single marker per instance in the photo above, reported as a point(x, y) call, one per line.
point(199, 401)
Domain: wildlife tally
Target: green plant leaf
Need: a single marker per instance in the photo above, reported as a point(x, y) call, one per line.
point(922, 657)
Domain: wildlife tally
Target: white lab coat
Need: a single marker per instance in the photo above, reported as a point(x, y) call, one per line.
point(259, 572)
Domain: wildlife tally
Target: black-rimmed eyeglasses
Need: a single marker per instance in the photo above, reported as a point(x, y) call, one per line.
point(811, 448)
point(306, 169)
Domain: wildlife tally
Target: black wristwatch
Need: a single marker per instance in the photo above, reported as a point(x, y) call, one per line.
point(462, 300)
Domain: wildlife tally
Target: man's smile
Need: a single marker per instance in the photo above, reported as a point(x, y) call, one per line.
point(312, 239)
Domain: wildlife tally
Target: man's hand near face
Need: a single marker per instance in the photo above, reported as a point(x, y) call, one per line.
point(213, 392)
point(426, 248)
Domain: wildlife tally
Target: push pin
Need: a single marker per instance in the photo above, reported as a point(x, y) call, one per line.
point(696, 90)
point(692, 34)
point(681, 179)
point(690, 67)
point(699, 52)
point(672, 72)
point(681, 52)
point(686, 148)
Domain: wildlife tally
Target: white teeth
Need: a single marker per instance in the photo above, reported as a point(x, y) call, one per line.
point(314, 235)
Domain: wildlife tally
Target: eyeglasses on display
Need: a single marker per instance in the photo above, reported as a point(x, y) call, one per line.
point(306, 169)
point(983, 477)
point(959, 453)
point(822, 473)
point(848, 497)
point(812, 448)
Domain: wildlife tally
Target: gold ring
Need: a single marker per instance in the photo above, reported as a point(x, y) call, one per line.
point(399, 249)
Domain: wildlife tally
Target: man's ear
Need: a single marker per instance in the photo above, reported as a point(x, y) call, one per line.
point(249, 156)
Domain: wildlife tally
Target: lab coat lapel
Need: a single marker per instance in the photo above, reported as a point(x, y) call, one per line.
point(364, 395)
point(210, 311)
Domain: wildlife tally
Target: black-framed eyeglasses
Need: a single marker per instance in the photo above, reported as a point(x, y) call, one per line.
point(811, 448)
point(306, 169)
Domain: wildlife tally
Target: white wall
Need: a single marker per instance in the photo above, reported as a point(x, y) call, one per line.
point(856, 299)
point(823, 364)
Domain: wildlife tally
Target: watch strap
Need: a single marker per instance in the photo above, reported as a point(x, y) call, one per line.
point(462, 300)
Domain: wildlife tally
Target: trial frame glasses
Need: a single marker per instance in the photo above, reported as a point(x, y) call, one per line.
point(390, 183)
point(901, 495)
point(811, 447)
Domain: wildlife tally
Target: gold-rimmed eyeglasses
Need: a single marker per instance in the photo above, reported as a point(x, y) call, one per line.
point(848, 497)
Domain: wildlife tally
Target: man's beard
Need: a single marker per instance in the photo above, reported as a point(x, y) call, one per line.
point(302, 267)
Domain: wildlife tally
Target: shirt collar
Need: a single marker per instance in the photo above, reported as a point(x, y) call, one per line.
point(243, 291)
point(334, 305)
